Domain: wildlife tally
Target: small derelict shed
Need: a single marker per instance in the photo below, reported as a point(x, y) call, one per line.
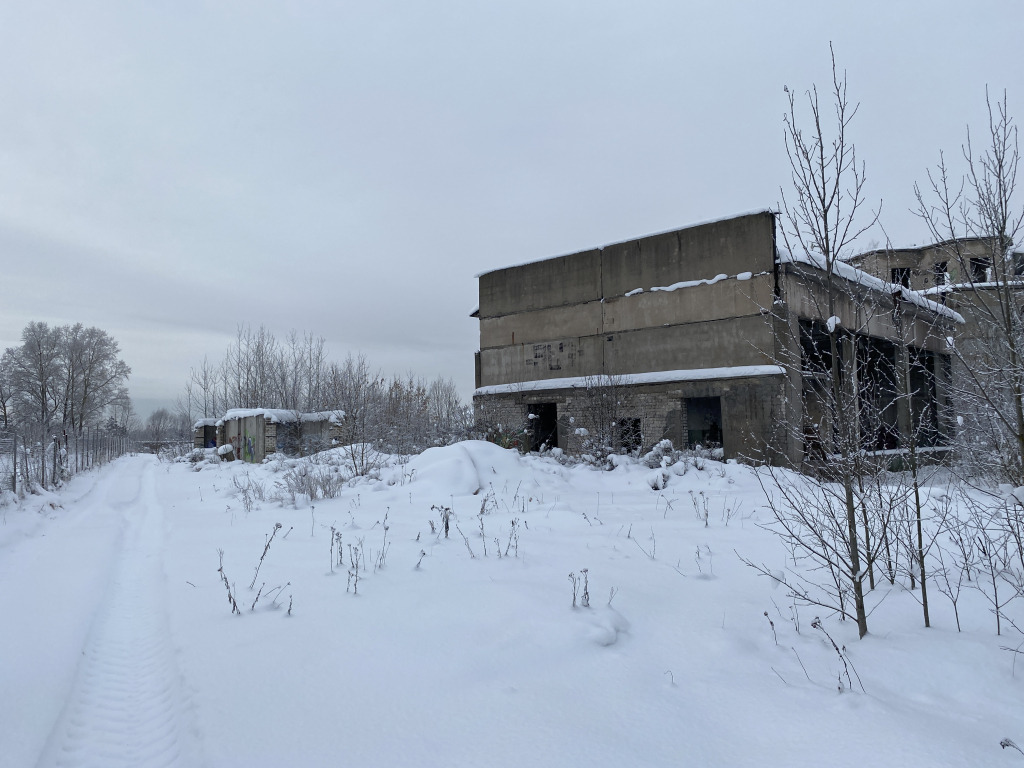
point(255, 433)
point(205, 433)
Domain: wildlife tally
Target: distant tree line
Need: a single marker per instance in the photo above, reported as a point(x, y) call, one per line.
point(400, 414)
point(163, 425)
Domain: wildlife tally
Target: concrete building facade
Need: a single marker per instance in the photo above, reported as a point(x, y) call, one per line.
point(692, 335)
point(255, 433)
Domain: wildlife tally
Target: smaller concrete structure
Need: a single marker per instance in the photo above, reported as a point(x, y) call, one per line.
point(965, 276)
point(930, 266)
point(205, 433)
point(255, 433)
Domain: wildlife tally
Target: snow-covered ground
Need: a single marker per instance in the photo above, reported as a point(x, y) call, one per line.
point(119, 646)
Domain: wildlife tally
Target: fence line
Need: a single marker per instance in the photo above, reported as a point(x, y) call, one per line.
point(26, 462)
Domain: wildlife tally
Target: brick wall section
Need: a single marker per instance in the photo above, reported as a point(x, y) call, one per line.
point(752, 410)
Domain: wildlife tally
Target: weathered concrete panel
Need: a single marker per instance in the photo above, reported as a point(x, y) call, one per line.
point(579, 356)
point(713, 344)
point(541, 325)
point(724, 299)
point(557, 282)
point(752, 412)
point(743, 244)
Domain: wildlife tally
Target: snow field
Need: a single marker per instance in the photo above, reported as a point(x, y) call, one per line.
point(476, 660)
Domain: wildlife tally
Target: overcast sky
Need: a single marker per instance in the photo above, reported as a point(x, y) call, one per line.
point(171, 170)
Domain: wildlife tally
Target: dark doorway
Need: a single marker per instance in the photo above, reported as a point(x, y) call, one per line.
point(209, 437)
point(923, 412)
point(631, 437)
point(704, 422)
point(543, 426)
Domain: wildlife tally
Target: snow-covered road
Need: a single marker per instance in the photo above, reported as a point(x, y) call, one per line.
point(102, 632)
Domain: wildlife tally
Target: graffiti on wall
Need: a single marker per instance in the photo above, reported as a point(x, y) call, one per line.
point(244, 446)
point(554, 356)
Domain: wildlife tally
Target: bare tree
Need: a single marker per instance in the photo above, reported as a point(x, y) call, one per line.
point(450, 418)
point(36, 380)
point(820, 219)
point(159, 425)
point(201, 398)
point(977, 221)
point(122, 418)
point(249, 368)
point(6, 391)
point(95, 375)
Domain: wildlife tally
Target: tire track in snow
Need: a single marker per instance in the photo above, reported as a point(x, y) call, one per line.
point(127, 707)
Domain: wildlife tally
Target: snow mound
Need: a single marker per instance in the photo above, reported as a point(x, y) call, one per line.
point(605, 626)
point(465, 469)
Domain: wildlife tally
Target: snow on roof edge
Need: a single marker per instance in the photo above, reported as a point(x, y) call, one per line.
point(860, 277)
point(652, 377)
point(953, 287)
point(282, 415)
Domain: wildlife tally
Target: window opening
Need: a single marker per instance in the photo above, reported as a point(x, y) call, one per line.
point(979, 269)
point(901, 276)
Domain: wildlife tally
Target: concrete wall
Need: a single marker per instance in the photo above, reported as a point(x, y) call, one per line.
point(248, 437)
point(921, 261)
point(572, 279)
point(255, 437)
point(752, 411)
point(606, 312)
point(570, 316)
point(862, 311)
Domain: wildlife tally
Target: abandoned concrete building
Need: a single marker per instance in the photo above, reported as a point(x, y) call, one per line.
point(930, 266)
point(699, 335)
point(255, 433)
point(961, 274)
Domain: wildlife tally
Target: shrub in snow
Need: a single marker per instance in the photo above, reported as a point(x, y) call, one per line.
point(663, 454)
point(658, 479)
point(505, 438)
point(576, 582)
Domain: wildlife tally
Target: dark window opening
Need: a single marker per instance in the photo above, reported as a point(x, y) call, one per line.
point(878, 394)
point(631, 437)
point(209, 437)
point(704, 422)
point(979, 269)
point(901, 276)
point(1018, 263)
point(543, 419)
point(815, 349)
point(924, 418)
point(939, 272)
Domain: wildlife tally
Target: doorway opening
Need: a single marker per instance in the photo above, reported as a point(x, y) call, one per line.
point(704, 422)
point(631, 436)
point(543, 426)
